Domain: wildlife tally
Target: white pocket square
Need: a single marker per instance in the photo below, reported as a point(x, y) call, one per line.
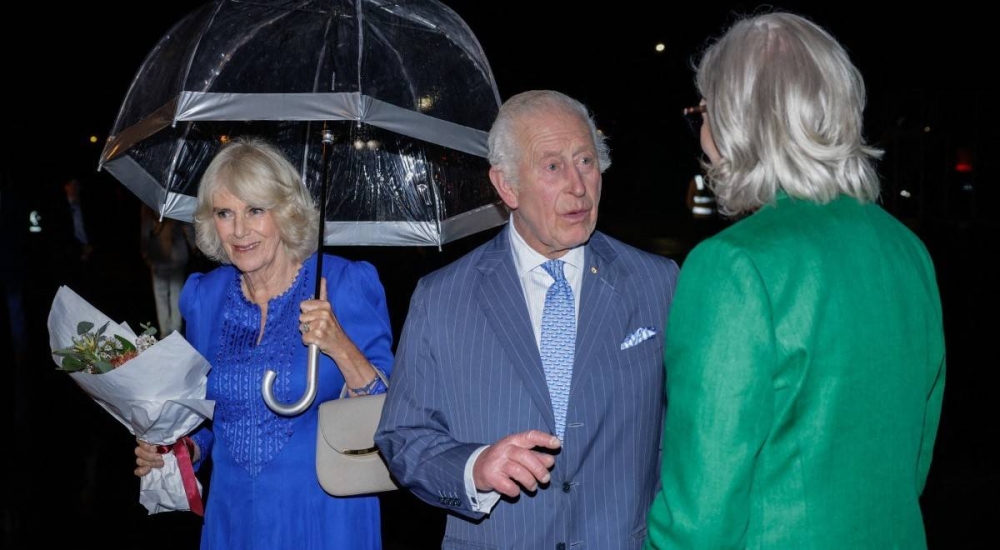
point(639, 336)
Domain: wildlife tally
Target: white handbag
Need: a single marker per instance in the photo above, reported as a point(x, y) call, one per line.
point(347, 460)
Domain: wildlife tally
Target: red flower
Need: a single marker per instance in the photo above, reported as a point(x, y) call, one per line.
point(120, 360)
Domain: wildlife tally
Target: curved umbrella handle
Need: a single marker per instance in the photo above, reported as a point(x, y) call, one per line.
point(267, 388)
point(312, 368)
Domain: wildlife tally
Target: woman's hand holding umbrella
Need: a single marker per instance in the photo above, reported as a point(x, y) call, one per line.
point(319, 326)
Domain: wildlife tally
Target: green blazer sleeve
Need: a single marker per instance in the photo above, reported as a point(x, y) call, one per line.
point(932, 417)
point(719, 402)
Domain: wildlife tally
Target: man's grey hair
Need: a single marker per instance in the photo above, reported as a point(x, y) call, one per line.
point(504, 151)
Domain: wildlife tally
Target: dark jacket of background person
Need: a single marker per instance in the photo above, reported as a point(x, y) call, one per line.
point(166, 245)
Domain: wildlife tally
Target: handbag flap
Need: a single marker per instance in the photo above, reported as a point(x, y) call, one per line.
point(349, 424)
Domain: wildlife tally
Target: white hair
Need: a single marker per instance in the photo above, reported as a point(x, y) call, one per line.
point(784, 104)
point(258, 173)
point(505, 152)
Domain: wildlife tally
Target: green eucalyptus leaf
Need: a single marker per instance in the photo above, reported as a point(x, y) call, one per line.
point(83, 326)
point(103, 366)
point(126, 345)
point(72, 364)
point(101, 330)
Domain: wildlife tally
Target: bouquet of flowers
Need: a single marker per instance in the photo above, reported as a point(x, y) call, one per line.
point(156, 389)
point(95, 353)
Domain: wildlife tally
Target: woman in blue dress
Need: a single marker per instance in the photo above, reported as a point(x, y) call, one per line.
point(256, 313)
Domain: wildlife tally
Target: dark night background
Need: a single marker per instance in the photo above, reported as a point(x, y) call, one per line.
point(67, 465)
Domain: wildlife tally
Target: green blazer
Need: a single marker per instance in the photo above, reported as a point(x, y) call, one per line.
point(805, 368)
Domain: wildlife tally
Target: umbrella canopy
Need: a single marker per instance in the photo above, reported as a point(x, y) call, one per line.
point(403, 86)
point(384, 106)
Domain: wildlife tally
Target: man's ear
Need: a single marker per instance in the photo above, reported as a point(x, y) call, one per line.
point(503, 185)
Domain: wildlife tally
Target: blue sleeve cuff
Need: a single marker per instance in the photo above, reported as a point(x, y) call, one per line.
point(204, 438)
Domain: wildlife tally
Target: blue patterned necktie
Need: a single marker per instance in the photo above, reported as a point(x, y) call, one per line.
point(558, 341)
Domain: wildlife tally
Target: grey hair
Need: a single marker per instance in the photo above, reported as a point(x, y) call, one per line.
point(504, 151)
point(257, 173)
point(784, 105)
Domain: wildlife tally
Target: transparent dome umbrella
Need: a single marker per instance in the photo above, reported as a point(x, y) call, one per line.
point(383, 106)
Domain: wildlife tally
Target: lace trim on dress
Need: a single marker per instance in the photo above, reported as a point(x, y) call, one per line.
point(253, 433)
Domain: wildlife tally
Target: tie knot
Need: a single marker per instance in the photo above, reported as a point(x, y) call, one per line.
point(555, 269)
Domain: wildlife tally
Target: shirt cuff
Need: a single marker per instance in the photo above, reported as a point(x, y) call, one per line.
point(478, 501)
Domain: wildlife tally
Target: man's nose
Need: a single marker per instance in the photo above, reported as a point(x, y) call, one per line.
point(577, 186)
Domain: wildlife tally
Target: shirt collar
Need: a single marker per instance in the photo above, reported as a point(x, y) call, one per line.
point(527, 258)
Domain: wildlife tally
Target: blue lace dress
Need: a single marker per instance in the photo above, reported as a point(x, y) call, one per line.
point(263, 492)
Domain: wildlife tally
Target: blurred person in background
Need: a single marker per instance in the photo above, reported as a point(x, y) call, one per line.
point(166, 245)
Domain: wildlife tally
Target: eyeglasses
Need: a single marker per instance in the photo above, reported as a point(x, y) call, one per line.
point(694, 118)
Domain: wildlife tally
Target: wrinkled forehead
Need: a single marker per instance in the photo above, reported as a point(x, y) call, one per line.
point(545, 131)
point(549, 112)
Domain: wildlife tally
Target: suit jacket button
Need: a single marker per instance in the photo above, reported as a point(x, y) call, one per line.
point(567, 488)
point(561, 546)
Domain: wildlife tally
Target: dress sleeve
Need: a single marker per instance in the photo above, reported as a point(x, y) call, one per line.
point(190, 305)
point(205, 439)
point(720, 349)
point(195, 334)
point(360, 305)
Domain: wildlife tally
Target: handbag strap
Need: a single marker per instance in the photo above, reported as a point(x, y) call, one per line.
point(378, 373)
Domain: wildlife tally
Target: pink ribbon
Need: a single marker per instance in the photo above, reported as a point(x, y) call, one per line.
point(182, 451)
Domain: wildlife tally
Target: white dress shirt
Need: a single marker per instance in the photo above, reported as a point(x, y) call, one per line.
point(535, 283)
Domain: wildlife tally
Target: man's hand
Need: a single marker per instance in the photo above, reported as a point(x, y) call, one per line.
point(511, 463)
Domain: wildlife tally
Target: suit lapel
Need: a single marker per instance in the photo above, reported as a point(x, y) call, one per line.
point(598, 298)
point(502, 301)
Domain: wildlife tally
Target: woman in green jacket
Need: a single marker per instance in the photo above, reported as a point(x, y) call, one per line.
point(805, 349)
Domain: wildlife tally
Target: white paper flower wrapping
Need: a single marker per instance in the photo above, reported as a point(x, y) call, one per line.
point(162, 489)
point(158, 395)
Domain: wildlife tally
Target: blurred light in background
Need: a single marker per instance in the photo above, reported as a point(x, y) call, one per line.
point(34, 222)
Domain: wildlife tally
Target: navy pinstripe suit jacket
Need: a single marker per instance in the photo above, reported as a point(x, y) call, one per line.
point(468, 373)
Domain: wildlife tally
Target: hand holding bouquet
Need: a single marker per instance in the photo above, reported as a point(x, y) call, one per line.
point(156, 389)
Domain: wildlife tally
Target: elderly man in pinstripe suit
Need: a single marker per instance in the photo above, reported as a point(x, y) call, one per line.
point(527, 396)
